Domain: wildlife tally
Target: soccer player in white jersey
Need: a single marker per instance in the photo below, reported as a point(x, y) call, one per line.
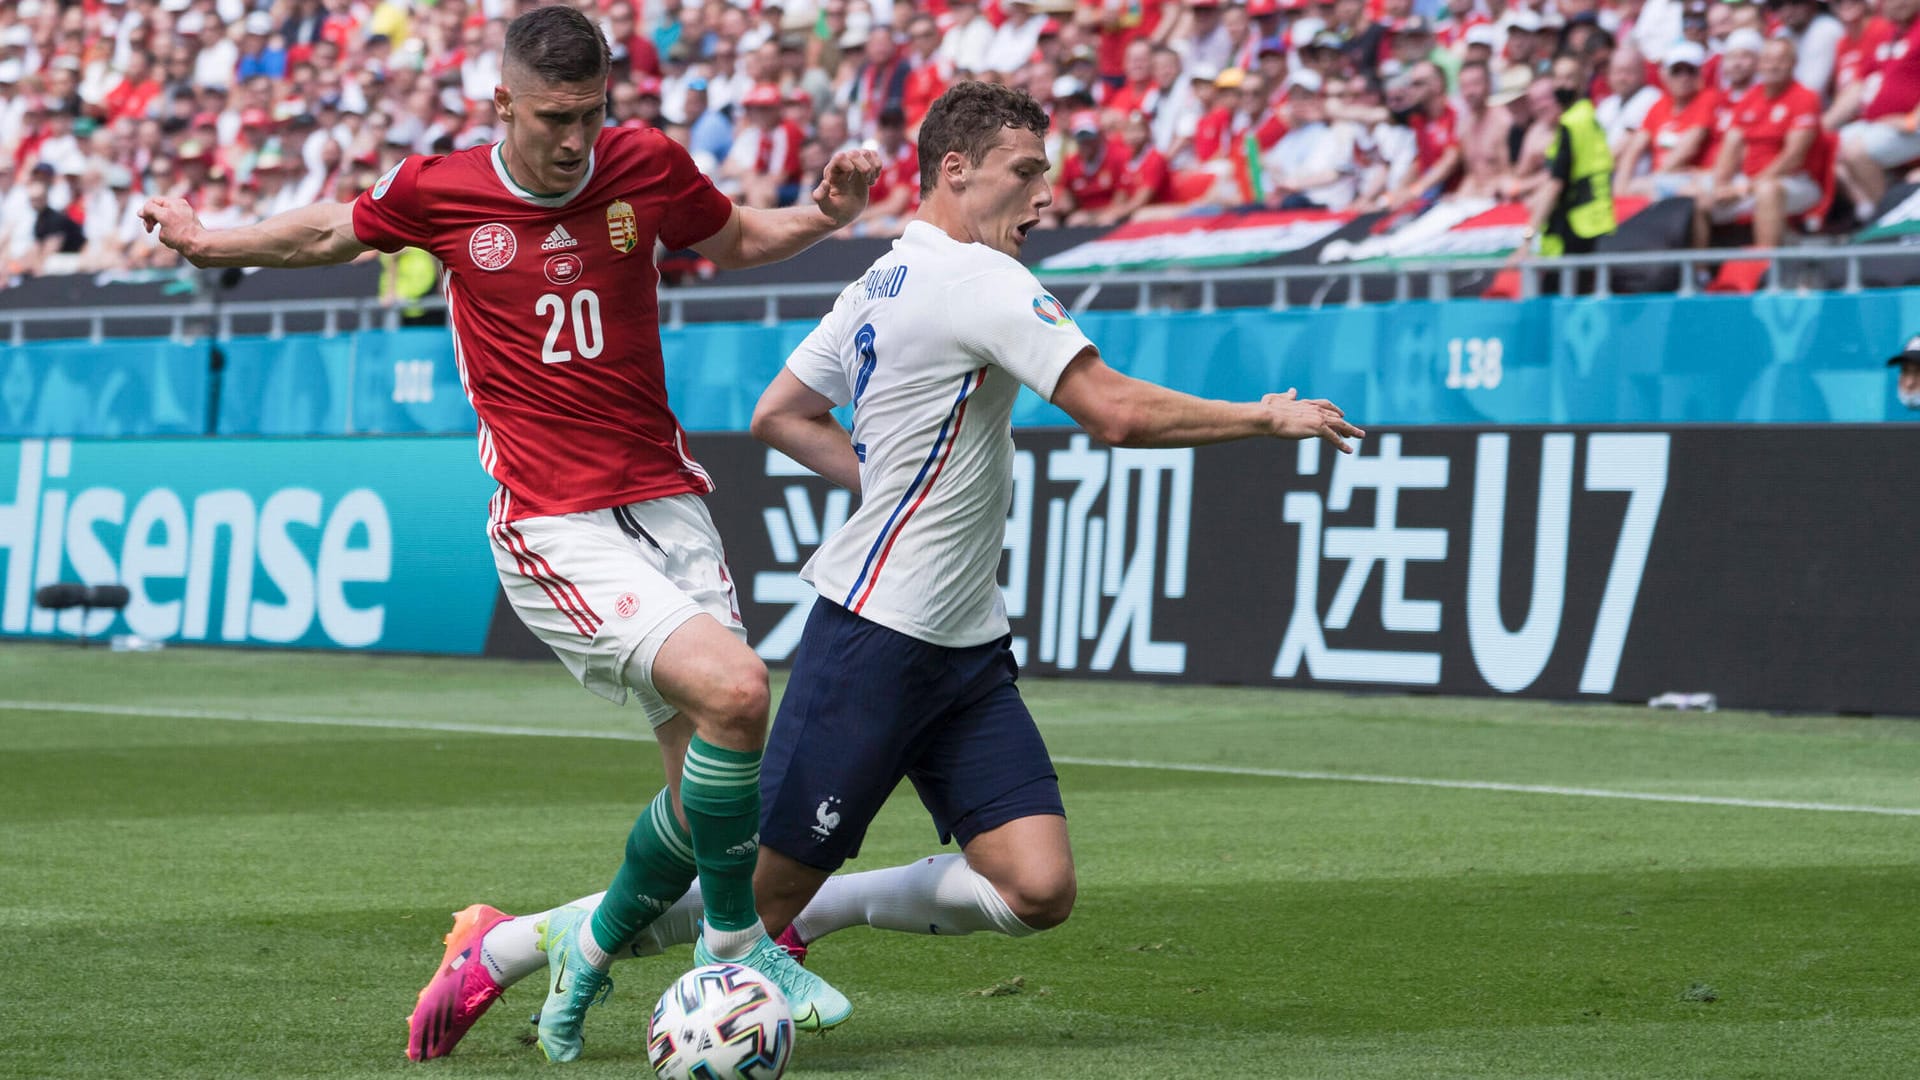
point(603, 544)
point(904, 669)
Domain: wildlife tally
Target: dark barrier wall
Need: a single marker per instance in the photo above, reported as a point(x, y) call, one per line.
point(1771, 566)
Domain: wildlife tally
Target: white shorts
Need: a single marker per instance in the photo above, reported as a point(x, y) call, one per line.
point(605, 588)
point(1883, 141)
point(1802, 195)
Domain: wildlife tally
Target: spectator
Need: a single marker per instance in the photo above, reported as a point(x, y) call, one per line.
point(1530, 165)
point(1740, 63)
point(1573, 208)
point(1136, 81)
point(709, 131)
point(1214, 132)
point(1167, 100)
point(1483, 129)
point(1816, 36)
point(1090, 180)
point(762, 169)
point(969, 38)
point(1624, 110)
point(1145, 179)
point(1313, 166)
point(894, 197)
point(1436, 139)
point(1462, 16)
point(1884, 136)
point(1524, 53)
point(1679, 137)
point(879, 84)
point(1762, 169)
point(1014, 42)
point(929, 75)
point(260, 51)
point(1862, 34)
point(1202, 38)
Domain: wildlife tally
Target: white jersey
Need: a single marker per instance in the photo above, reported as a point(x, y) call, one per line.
point(932, 346)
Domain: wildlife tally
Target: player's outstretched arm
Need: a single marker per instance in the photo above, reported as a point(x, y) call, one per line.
point(757, 237)
point(1120, 410)
point(317, 235)
point(798, 422)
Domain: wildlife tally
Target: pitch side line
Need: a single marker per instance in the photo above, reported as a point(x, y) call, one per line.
point(1098, 763)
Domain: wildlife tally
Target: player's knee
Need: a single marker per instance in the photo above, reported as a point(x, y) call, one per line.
point(737, 701)
point(1043, 899)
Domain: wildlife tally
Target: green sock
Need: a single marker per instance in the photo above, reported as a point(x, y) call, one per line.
point(720, 791)
point(657, 870)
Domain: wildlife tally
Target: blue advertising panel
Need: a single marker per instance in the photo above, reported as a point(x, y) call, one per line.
point(129, 386)
point(315, 543)
point(1786, 357)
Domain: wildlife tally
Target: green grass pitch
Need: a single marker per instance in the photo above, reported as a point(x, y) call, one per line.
point(240, 864)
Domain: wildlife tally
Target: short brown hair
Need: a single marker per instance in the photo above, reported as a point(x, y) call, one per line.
point(558, 44)
point(969, 118)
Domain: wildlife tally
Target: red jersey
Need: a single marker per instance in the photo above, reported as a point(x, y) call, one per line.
point(1665, 127)
point(1132, 20)
point(1767, 121)
point(1212, 134)
point(554, 316)
point(1898, 64)
point(1131, 98)
point(1854, 56)
point(902, 170)
point(1095, 182)
point(1146, 172)
point(1433, 136)
point(924, 87)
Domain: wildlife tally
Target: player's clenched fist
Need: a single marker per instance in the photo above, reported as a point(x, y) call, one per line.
point(1314, 418)
point(842, 191)
point(175, 221)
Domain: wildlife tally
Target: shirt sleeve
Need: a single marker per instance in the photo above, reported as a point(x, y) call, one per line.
point(392, 213)
point(1011, 322)
point(820, 360)
point(698, 208)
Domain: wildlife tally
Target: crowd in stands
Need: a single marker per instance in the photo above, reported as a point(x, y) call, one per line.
point(247, 107)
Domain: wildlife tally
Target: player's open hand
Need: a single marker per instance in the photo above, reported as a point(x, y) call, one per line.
point(1315, 418)
point(178, 226)
point(842, 191)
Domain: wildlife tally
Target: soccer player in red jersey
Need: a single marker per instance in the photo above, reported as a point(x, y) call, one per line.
point(598, 530)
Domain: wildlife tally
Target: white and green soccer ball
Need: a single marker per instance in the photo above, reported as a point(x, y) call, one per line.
point(721, 1022)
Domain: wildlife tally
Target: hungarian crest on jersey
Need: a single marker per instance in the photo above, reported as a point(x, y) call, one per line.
point(623, 231)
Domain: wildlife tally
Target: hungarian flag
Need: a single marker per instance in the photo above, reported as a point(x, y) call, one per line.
point(1217, 240)
point(1457, 228)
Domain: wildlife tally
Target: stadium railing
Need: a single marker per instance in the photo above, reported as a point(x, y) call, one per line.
point(1800, 269)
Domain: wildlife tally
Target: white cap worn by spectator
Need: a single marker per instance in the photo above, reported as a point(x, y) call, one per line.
point(1745, 39)
point(1483, 34)
point(1305, 79)
point(1684, 52)
point(260, 23)
point(1067, 86)
point(190, 24)
point(16, 37)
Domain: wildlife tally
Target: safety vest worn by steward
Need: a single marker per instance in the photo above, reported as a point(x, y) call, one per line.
point(1585, 208)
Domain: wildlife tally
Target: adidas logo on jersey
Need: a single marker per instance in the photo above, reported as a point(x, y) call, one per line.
point(557, 239)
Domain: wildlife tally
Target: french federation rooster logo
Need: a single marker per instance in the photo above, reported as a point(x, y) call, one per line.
point(826, 818)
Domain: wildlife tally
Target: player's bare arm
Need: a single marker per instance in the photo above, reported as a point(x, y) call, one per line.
point(1123, 411)
point(798, 422)
point(317, 235)
point(756, 237)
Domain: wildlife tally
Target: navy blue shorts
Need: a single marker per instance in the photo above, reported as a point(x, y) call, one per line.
point(866, 706)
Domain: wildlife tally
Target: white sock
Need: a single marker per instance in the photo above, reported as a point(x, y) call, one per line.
point(733, 944)
point(511, 950)
point(940, 894)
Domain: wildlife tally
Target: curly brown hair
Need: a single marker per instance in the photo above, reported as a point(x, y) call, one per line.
point(969, 118)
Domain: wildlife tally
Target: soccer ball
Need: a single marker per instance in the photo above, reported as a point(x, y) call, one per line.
point(721, 1022)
